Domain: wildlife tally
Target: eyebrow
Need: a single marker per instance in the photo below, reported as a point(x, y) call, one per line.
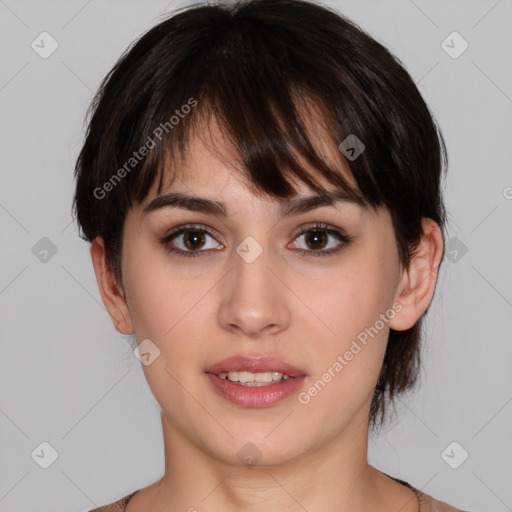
point(294, 206)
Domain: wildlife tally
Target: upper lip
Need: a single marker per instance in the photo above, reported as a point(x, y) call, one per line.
point(255, 365)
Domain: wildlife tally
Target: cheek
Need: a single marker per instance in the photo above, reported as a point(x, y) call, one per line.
point(347, 357)
point(170, 302)
point(352, 295)
point(165, 308)
point(157, 296)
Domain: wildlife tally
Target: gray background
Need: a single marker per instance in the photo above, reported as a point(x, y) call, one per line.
point(68, 378)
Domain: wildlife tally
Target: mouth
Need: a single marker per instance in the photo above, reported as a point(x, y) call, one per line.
point(251, 379)
point(256, 381)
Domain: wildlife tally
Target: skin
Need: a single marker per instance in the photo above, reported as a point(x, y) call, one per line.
point(304, 309)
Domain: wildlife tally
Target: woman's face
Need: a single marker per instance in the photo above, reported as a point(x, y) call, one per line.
point(260, 285)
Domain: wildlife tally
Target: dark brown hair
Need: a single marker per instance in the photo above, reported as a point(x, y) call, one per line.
point(251, 66)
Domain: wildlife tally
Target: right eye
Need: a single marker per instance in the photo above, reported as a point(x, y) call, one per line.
point(189, 240)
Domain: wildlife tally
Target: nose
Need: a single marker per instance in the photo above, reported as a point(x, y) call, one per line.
point(254, 300)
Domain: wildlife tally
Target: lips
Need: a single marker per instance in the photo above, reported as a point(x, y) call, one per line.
point(255, 365)
point(266, 395)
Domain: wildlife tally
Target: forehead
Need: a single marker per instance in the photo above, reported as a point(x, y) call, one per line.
point(210, 165)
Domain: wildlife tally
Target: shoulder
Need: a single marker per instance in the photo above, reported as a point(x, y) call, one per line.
point(426, 502)
point(430, 504)
point(116, 506)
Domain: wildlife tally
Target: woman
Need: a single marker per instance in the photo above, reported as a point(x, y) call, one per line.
point(260, 184)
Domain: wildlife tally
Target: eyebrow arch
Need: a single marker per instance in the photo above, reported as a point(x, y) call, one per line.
point(295, 206)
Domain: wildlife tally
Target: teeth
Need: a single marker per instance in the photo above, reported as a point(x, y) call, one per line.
point(254, 379)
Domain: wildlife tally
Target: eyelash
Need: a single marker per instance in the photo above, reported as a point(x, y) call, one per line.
point(341, 237)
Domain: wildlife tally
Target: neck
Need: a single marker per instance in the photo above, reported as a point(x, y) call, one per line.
point(334, 475)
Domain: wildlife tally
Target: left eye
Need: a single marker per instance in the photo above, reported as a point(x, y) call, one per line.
point(317, 242)
point(191, 240)
point(316, 239)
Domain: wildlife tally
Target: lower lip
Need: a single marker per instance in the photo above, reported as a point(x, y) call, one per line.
point(260, 396)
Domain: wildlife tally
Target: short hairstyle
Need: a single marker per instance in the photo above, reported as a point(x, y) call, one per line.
point(254, 66)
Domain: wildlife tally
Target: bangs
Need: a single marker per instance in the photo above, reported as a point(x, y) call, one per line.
point(270, 153)
point(273, 115)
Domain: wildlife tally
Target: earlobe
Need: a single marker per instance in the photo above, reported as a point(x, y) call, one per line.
point(111, 292)
point(418, 282)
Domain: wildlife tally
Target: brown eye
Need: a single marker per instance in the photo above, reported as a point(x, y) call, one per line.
point(321, 240)
point(317, 239)
point(193, 239)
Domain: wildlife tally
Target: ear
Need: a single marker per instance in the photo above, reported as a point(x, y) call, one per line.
point(418, 282)
point(111, 292)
